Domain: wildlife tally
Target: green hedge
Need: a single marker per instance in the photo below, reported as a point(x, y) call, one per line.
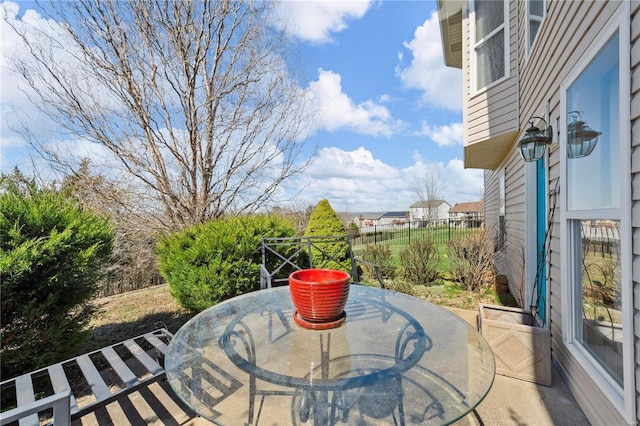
point(214, 261)
point(324, 222)
point(51, 255)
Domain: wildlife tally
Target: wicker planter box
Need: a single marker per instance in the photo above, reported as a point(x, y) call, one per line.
point(521, 350)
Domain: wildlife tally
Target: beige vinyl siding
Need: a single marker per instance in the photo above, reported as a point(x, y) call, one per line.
point(635, 180)
point(494, 111)
point(557, 50)
point(491, 200)
point(515, 220)
point(508, 263)
point(566, 35)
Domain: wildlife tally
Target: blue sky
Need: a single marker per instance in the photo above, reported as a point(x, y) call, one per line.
point(390, 111)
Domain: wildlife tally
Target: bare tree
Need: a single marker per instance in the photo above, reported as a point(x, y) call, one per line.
point(429, 191)
point(133, 262)
point(194, 100)
point(297, 213)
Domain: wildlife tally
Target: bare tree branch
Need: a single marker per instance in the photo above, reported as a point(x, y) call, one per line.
point(193, 99)
point(429, 190)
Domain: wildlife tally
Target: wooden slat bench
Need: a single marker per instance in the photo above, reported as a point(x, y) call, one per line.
point(87, 382)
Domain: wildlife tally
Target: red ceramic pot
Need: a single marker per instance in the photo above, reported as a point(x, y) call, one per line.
point(319, 295)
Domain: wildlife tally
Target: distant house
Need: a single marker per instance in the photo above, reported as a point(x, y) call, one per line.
point(394, 218)
point(429, 210)
point(470, 214)
point(474, 209)
point(364, 220)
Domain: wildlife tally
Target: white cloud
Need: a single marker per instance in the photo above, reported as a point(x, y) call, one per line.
point(337, 111)
point(450, 135)
point(316, 21)
point(21, 116)
point(463, 184)
point(359, 164)
point(441, 85)
point(20, 119)
point(356, 181)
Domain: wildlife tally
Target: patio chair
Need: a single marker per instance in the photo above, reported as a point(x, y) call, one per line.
point(282, 256)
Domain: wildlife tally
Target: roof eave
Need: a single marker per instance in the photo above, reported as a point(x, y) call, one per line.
point(450, 17)
point(489, 153)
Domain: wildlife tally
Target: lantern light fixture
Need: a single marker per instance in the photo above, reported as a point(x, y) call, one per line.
point(581, 139)
point(535, 140)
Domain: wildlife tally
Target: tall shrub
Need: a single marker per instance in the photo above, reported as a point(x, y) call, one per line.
point(380, 255)
point(51, 255)
point(324, 222)
point(471, 259)
point(216, 260)
point(419, 262)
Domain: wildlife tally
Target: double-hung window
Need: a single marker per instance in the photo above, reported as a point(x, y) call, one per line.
point(535, 16)
point(596, 226)
point(491, 41)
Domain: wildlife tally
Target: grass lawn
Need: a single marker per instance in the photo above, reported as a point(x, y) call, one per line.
point(137, 312)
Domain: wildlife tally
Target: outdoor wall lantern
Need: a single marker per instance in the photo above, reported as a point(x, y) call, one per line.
point(534, 142)
point(581, 139)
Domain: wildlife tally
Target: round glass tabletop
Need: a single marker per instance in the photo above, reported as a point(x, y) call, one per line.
point(395, 359)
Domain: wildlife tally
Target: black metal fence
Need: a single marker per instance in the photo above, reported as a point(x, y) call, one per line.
point(404, 232)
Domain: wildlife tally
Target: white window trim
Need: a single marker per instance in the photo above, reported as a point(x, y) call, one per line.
point(623, 399)
point(507, 50)
point(529, 48)
point(502, 211)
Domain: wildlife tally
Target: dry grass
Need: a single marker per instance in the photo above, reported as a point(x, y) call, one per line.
point(133, 313)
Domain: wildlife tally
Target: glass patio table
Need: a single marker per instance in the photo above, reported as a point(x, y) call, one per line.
point(396, 359)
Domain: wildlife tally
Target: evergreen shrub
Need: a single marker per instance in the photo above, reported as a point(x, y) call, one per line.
point(324, 222)
point(52, 252)
point(216, 260)
point(419, 262)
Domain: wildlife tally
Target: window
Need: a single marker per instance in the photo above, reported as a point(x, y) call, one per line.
point(593, 203)
point(535, 15)
point(598, 326)
point(594, 99)
point(491, 41)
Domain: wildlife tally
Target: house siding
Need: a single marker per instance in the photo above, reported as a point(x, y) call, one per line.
point(491, 112)
point(635, 182)
point(496, 118)
point(566, 35)
point(491, 199)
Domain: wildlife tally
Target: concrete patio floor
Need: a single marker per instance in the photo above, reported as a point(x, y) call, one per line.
point(509, 402)
point(517, 402)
